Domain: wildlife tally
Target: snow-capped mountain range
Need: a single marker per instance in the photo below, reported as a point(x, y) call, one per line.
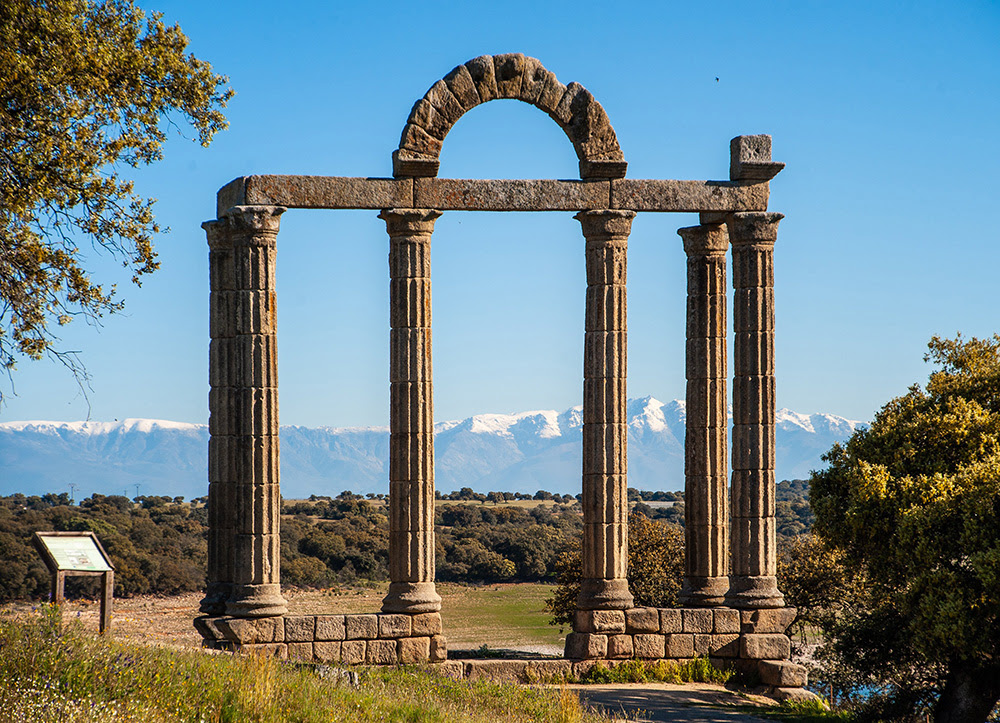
point(521, 452)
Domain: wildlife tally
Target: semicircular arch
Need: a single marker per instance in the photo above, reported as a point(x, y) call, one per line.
point(510, 76)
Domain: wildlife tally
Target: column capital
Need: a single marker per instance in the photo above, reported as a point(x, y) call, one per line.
point(409, 221)
point(754, 227)
point(605, 225)
point(705, 239)
point(218, 232)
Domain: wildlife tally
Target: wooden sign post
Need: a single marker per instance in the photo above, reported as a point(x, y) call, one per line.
point(77, 553)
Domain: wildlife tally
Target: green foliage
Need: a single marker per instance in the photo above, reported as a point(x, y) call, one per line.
point(814, 580)
point(77, 677)
point(697, 670)
point(86, 87)
point(655, 569)
point(913, 505)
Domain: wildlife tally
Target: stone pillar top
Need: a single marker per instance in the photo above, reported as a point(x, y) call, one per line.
point(705, 240)
point(603, 225)
point(403, 221)
point(754, 227)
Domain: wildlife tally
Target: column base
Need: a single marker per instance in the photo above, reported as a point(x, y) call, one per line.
point(411, 597)
point(703, 592)
point(600, 594)
point(256, 601)
point(216, 595)
point(753, 592)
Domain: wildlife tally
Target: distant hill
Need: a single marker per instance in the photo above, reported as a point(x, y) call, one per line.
point(521, 452)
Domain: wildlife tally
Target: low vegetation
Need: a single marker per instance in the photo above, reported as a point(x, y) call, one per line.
point(82, 678)
point(158, 544)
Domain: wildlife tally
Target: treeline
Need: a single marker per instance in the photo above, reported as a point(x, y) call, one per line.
point(159, 544)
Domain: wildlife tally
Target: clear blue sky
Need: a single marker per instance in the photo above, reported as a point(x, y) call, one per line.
point(886, 114)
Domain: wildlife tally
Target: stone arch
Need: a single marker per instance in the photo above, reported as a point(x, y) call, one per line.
point(516, 77)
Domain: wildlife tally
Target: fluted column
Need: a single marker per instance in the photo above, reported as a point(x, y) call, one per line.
point(243, 404)
point(411, 414)
point(221, 477)
point(605, 430)
point(706, 528)
point(754, 557)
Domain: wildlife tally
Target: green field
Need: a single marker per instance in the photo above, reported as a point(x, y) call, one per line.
point(497, 615)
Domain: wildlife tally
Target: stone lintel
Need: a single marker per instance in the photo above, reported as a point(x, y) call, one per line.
point(451, 194)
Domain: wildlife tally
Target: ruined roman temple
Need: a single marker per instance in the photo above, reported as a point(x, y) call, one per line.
point(732, 612)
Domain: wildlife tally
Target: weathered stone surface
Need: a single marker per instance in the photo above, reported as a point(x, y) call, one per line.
point(411, 419)
point(605, 539)
point(427, 624)
point(586, 645)
point(800, 695)
point(209, 628)
point(642, 620)
point(483, 75)
point(330, 627)
point(687, 196)
point(702, 644)
point(463, 87)
point(361, 627)
point(249, 631)
point(322, 192)
point(510, 195)
point(414, 650)
point(648, 645)
point(454, 669)
point(445, 102)
point(533, 79)
point(783, 674)
point(394, 626)
point(508, 69)
point(620, 646)
point(597, 191)
point(300, 651)
point(599, 621)
point(765, 646)
point(697, 620)
point(300, 628)
point(353, 652)
point(775, 620)
point(679, 645)
point(548, 670)
point(439, 648)
point(425, 115)
point(724, 645)
point(750, 159)
point(327, 651)
point(728, 621)
point(381, 652)
point(670, 620)
point(507, 671)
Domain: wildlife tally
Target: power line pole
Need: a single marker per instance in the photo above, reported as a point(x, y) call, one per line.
point(137, 486)
point(72, 491)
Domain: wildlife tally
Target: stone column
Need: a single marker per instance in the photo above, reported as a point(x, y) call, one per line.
point(411, 414)
point(706, 528)
point(752, 581)
point(220, 475)
point(243, 403)
point(605, 429)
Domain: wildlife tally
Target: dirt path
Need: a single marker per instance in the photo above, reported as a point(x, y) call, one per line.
point(661, 702)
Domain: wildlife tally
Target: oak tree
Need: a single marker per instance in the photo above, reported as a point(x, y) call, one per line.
point(87, 90)
point(913, 504)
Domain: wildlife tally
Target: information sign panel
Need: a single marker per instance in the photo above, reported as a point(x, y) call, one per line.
point(77, 553)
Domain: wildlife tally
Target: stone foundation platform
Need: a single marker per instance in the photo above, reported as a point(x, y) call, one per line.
point(753, 642)
point(371, 639)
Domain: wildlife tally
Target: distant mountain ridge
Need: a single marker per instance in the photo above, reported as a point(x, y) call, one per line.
point(521, 452)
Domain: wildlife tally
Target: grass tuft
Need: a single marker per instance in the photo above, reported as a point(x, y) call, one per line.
point(697, 670)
